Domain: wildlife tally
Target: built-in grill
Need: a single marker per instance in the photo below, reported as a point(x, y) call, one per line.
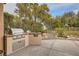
point(16, 40)
point(17, 33)
point(19, 37)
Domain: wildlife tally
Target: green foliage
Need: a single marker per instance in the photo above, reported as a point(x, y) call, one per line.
point(61, 32)
point(32, 16)
point(72, 33)
point(8, 21)
point(71, 19)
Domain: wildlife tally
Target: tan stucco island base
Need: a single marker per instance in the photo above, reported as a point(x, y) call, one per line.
point(13, 45)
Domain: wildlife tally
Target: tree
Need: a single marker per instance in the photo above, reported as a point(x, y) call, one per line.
point(8, 21)
point(33, 13)
point(68, 18)
point(77, 19)
point(17, 22)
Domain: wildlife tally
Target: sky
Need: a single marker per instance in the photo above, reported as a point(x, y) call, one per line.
point(55, 9)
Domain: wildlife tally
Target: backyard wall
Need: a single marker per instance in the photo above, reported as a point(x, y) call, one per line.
point(35, 40)
point(1, 26)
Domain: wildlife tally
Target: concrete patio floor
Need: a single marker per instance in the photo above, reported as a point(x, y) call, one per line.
point(51, 48)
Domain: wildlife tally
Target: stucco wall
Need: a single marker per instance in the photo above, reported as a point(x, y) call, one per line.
point(1, 26)
point(35, 40)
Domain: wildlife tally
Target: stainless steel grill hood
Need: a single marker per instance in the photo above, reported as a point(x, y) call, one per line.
point(17, 33)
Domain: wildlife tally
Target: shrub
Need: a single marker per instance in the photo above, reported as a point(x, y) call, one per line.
point(61, 32)
point(72, 33)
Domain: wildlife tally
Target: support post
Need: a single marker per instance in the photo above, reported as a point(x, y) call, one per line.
point(1, 27)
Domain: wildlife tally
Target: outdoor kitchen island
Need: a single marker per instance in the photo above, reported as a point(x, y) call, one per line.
point(17, 40)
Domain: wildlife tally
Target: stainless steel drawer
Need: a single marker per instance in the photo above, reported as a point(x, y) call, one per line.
point(18, 45)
